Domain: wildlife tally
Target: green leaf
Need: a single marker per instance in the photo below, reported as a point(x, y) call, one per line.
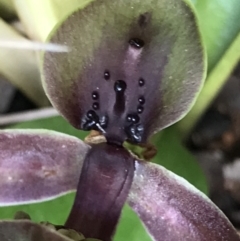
point(7, 10)
point(54, 123)
point(213, 85)
point(54, 211)
point(19, 66)
point(39, 17)
point(219, 23)
point(28, 231)
point(130, 227)
point(175, 157)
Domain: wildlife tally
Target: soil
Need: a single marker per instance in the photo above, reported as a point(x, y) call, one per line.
point(216, 143)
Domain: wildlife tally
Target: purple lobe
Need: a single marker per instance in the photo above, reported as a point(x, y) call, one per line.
point(172, 209)
point(38, 165)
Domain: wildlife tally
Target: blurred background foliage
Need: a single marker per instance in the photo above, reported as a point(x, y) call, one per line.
point(24, 20)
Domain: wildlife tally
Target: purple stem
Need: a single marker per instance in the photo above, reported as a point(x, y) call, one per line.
point(103, 188)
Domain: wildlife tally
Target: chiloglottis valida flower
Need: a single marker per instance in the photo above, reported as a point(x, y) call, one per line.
point(134, 67)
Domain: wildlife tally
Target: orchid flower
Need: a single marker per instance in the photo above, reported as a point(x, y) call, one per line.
point(134, 67)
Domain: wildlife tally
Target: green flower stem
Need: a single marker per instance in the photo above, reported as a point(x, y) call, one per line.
point(20, 66)
point(39, 17)
point(214, 83)
point(7, 10)
point(219, 24)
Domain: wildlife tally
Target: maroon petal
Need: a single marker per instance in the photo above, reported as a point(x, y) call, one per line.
point(172, 209)
point(37, 165)
point(135, 67)
point(28, 231)
point(103, 188)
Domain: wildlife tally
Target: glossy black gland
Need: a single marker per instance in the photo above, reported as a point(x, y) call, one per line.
point(141, 82)
point(120, 101)
point(129, 118)
point(103, 120)
point(133, 118)
point(135, 133)
point(141, 100)
point(106, 75)
point(120, 86)
point(92, 121)
point(95, 95)
point(136, 43)
point(95, 106)
point(92, 115)
point(140, 109)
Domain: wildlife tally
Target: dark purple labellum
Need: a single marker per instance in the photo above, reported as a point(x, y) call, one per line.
point(103, 188)
point(128, 66)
